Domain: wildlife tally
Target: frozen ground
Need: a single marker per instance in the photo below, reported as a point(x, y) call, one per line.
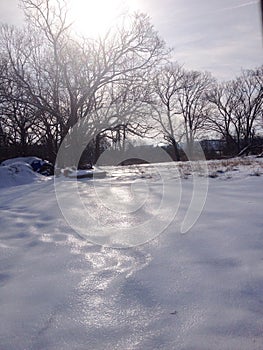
point(201, 290)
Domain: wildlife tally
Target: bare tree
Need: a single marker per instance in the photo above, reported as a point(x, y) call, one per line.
point(237, 108)
point(182, 107)
point(223, 104)
point(193, 105)
point(166, 86)
point(249, 107)
point(67, 79)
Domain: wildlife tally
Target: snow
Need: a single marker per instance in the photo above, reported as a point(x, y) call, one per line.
point(27, 160)
point(17, 173)
point(195, 291)
point(73, 173)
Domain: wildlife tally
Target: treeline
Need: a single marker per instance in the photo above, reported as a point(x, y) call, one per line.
point(112, 87)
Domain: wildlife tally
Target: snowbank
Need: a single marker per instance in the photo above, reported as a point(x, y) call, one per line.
point(17, 173)
point(27, 160)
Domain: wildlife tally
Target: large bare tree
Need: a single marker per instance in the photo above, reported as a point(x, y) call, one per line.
point(69, 80)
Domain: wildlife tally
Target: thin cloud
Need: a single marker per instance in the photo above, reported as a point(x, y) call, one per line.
point(239, 6)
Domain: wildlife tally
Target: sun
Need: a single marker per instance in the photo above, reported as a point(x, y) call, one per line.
point(95, 17)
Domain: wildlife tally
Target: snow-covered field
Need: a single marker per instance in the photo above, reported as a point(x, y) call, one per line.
point(200, 290)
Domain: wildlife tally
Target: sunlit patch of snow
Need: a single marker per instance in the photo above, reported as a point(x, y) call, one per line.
point(198, 291)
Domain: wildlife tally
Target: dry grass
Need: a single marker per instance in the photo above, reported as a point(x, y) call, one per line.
point(226, 167)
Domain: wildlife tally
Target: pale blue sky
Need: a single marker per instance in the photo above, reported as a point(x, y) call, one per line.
point(219, 36)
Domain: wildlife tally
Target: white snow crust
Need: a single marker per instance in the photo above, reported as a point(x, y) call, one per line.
point(201, 290)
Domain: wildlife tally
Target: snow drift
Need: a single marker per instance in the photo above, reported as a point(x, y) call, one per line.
point(17, 173)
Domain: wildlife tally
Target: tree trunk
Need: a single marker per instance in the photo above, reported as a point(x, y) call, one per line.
point(176, 150)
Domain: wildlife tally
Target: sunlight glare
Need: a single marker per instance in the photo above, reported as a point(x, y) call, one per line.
point(95, 17)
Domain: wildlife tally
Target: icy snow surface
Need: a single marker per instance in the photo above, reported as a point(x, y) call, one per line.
point(195, 291)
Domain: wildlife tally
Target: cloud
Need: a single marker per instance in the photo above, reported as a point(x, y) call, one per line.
point(10, 12)
point(222, 56)
point(241, 5)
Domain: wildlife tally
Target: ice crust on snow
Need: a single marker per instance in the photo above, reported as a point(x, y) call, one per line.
point(198, 291)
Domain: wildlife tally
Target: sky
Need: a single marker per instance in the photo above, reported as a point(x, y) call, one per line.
point(218, 36)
